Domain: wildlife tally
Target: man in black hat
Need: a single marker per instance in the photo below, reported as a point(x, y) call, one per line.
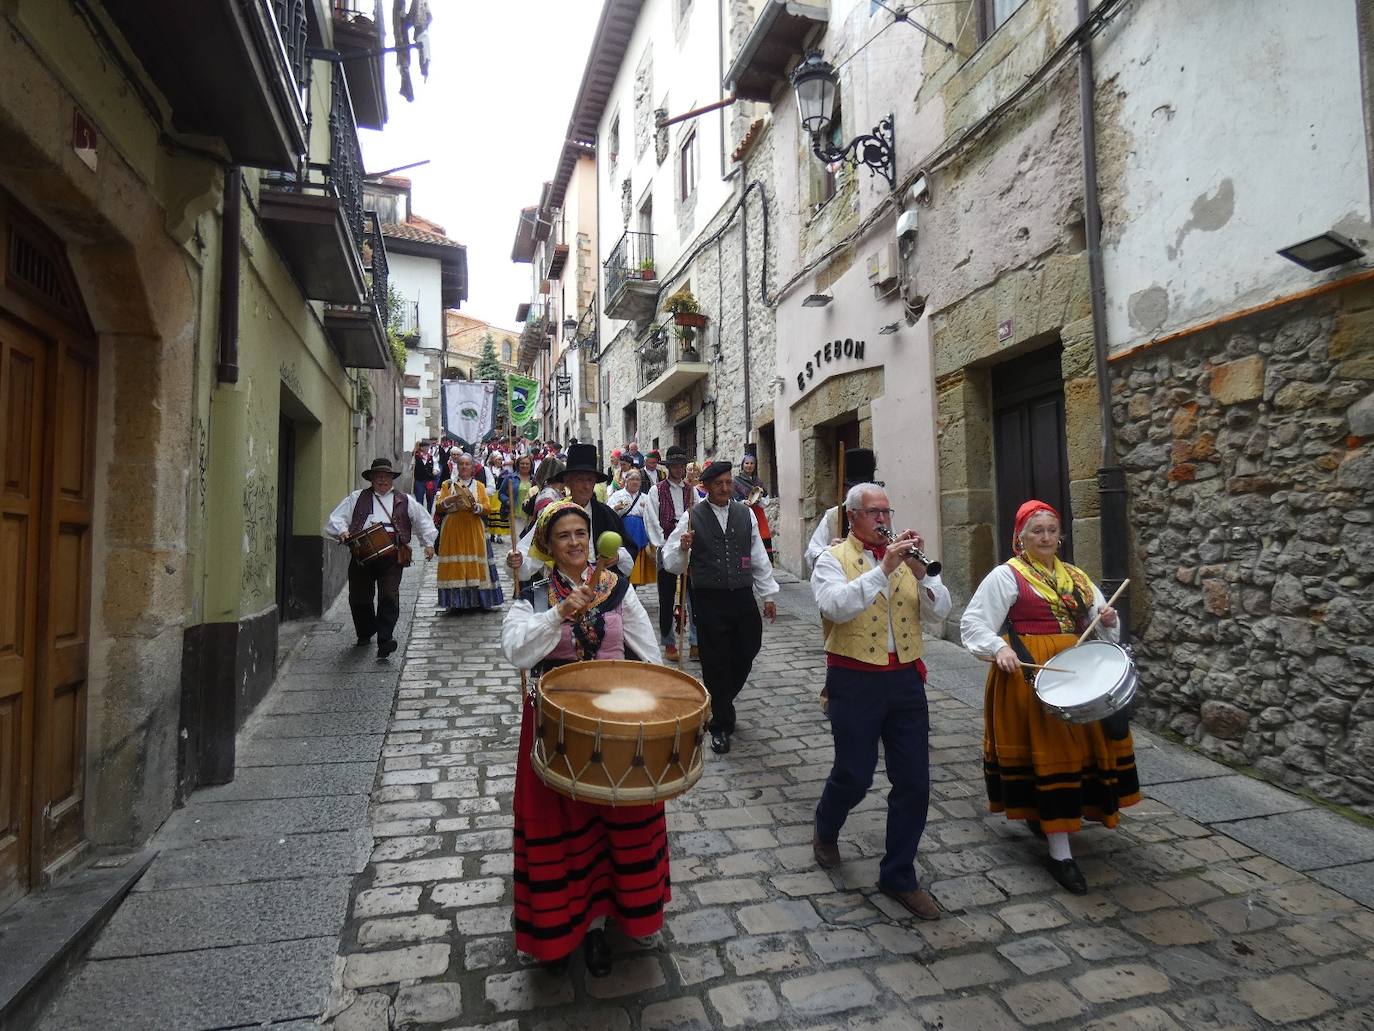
point(581, 477)
point(381, 577)
point(860, 466)
point(720, 538)
point(673, 498)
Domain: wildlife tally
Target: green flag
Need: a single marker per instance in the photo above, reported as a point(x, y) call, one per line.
point(524, 399)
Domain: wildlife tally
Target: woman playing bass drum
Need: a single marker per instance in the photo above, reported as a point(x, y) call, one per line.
point(1038, 768)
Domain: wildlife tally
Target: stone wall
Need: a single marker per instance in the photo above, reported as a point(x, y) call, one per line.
point(1251, 467)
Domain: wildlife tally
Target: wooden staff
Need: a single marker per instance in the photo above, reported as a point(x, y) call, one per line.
point(1097, 618)
point(680, 617)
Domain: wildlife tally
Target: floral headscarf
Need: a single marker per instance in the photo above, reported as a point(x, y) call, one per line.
point(540, 548)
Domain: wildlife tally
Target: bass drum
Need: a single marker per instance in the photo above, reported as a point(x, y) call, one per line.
point(1089, 682)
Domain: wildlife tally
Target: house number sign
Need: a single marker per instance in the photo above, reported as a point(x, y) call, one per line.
point(833, 351)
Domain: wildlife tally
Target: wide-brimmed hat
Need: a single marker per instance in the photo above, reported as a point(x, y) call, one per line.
point(860, 466)
point(582, 459)
point(379, 465)
point(677, 455)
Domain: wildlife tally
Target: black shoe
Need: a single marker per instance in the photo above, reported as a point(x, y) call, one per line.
point(827, 853)
point(720, 742)
point(1070, 878)
point(363, 642)
point(385, 648)
point(597, 953)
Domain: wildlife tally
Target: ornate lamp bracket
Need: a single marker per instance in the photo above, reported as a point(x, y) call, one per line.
point(876, 151)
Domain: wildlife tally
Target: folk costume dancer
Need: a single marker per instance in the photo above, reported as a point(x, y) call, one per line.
point(576, 863)
point(1039, 768)
point(860, 466)
point(872, 597)
point(636, 510)
point(381, 577)
point(728, 567)
point(674, 498)
point(746, 482)
point(498, 521)
point(581, 477)
point(467, 576)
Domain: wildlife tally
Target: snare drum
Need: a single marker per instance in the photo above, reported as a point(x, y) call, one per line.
point(1099, 680)
point(613, 732)
point(371, 543)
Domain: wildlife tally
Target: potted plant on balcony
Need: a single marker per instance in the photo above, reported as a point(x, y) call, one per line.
point(646, 270)
point(685, 310)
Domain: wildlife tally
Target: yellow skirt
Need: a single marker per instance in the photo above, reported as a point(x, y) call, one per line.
point(645, 569)
point(1039, 767)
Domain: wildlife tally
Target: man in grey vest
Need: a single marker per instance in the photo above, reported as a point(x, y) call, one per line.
point(718, 539)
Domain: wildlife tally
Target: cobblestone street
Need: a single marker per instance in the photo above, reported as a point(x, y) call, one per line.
point(1215, 904)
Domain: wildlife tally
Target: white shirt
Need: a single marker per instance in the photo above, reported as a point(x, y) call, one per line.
point(841, 599)
point(826, 531)
point(527, 637)
point(675, 560)
point(529, 568)
point(382, 505)
point(641, 505)
point(980, 629)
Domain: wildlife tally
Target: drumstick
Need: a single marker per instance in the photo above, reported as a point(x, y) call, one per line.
point(1093, 625)
point(1031, 665)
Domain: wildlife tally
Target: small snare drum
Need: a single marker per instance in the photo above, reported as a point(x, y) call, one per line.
point(371, 543)
point(1098, 680)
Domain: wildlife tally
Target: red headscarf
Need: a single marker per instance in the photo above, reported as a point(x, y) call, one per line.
point(1023, 516)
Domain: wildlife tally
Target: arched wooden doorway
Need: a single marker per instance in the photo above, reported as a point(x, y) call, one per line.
point(48, 380)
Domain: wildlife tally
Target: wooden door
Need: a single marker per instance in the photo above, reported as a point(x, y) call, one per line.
point(685, 435)
point(846, 438)
point(286, 481)
point(1032, 459)
point(22, 376)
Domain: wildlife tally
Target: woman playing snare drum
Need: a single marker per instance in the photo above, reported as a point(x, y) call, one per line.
point(1039, 768)
point(577, 863)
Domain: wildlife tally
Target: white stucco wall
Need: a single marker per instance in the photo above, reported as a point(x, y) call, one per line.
point(417, 279)
point(1227, 130)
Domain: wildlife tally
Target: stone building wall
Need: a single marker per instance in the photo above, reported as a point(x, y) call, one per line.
point(1250, 453)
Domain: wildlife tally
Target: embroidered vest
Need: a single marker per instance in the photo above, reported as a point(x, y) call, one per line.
point(1030, 613)
point(667, 515)
point(720, 557)
point(864, 637)
point(400, 516)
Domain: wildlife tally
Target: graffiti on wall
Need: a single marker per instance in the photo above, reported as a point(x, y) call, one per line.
point(259, 533)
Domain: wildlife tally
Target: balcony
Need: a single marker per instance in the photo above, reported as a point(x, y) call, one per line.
point(232, 69)
point(631, 278)
point(316, 218)
point(357, 332)
point(407, 321)
point(667, 367)
point(534, 338)
point(360, 37)
point(555, 250)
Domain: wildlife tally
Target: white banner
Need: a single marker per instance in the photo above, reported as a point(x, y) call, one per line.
point(469, 408)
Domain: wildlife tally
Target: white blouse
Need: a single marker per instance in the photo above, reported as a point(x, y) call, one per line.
point(641, 505)
point(527, 637)
point(980, 629)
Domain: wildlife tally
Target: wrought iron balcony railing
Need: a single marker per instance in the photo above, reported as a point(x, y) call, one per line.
point(632, 259)
point(345, 172)
point(378, 270)
point(291, 23)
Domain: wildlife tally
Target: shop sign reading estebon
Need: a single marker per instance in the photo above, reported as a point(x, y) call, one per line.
point(833, 351)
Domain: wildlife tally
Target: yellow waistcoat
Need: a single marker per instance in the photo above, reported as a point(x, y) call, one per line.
point(864, 637)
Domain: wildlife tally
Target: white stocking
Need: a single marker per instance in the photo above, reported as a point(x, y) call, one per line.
point(1059, 845)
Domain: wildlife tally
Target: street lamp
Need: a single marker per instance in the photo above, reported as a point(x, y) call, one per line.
point(817, 83)
point(569, 330)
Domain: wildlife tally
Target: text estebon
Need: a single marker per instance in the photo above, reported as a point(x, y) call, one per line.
point(832, 351)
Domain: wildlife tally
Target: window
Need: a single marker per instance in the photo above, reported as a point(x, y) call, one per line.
point(505, 351)
point(992, 13)
point(825, 179)
point(645, 221)
point(687, 165)
point(631, 414)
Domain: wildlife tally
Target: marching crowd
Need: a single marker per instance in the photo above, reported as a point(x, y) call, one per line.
point(701, 537)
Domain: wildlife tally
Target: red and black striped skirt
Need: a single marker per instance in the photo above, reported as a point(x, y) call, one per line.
point(1039, 767)
point(575, 862)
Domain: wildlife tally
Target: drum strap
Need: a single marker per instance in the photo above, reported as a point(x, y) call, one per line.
point(1017, 645)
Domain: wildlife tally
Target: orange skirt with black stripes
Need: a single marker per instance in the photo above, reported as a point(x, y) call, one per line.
point(575, 862)
point(1038, 767)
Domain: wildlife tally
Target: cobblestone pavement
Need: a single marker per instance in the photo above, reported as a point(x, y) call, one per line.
point(1185, 927)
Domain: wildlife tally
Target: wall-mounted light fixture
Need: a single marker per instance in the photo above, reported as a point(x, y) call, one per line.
point(570, 330)
point(1323, 252)
point(817, 300)
point(816, 83)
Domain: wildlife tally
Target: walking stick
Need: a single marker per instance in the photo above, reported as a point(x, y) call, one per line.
point(680, 618)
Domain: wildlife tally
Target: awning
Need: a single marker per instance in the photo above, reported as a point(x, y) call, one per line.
point(775, 40)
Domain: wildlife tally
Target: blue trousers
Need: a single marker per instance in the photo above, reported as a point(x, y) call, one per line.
point(865, 708)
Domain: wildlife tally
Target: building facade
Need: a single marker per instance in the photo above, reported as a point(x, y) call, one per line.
point(193, 360)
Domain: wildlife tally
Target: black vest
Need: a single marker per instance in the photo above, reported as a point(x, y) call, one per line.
point(716, 553)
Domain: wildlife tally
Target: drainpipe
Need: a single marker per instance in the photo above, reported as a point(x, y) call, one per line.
point(744, 303)
point(227, 370)
point(1111, 478)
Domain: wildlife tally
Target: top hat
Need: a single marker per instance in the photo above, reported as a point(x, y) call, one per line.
point(379, 465)
point(860, 466)
point(714, 469)
point(677, 455)
point(582, 459)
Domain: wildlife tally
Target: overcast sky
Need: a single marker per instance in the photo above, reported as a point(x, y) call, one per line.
point(491, 119)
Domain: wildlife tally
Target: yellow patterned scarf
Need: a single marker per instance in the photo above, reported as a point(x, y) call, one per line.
point(1057, 587)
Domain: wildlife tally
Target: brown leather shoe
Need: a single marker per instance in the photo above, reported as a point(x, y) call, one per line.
point(917, 901)
point(827, 853)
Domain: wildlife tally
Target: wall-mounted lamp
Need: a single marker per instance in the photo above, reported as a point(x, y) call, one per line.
point(569, 330)
point(817, 300)
point(889, 329)
point(1323, 252)
point(816, 83)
